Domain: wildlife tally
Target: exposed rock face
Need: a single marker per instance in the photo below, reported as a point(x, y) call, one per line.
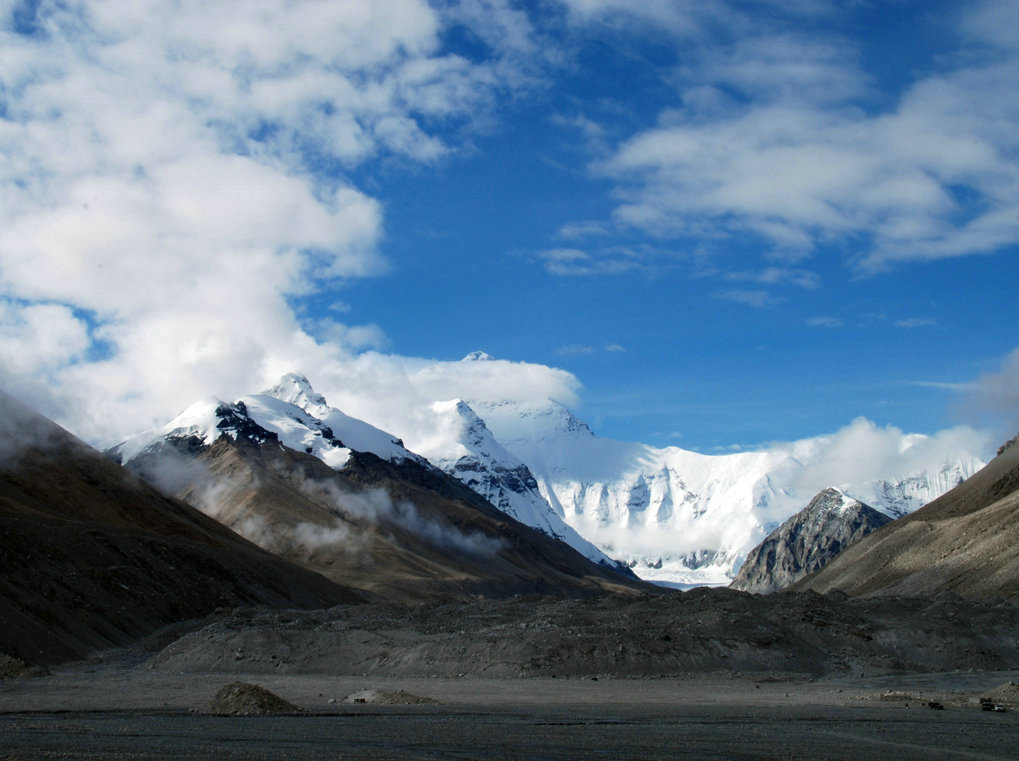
point(807, 541)
point(965, 543)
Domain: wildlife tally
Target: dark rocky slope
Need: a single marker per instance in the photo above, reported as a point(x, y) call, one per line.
point(668, 633)
point(403, 530)
point(92, 557)
point(807, 541)
point(966, 542)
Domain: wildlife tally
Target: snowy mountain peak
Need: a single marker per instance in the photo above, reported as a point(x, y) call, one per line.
point(478, 356)
point(296, 389)
point(832, 500)
point(464, 447)
point(515, 420)
point(291, 413)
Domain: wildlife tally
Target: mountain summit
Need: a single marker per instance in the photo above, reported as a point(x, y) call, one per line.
point(341, 497)
point(807, 541)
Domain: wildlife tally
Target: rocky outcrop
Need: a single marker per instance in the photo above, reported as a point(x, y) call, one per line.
point(807, 541)
point(964, 543)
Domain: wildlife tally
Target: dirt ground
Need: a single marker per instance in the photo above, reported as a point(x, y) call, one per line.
point(705, 675)
point(119, 712)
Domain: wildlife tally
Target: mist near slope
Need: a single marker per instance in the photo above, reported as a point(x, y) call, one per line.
point(21, 429)
point(176, 474)
point(377, 506)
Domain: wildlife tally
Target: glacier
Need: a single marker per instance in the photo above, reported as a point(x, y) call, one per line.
point(683, 518)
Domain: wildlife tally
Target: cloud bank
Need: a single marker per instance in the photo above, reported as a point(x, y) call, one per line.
point(176, 178)
point(179, 179)
point(777, 133)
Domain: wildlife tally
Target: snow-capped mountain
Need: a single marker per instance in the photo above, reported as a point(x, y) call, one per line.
point(685, 518)
point(807, 541)
point(291, 412)
point(902, 496)
point(297, 416)
point(470, 453)
point(671, 514)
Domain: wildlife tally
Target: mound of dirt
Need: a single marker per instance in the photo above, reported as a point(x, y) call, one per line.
point(388, 698)
point(12, 668)
point(1007, 694)
point(245, 699)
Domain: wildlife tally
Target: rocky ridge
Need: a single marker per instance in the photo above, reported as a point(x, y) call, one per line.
point(807, 541)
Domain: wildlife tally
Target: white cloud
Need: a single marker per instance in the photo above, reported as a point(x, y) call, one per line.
point(162, 168)
point(775, 275)
point(916, 322)
point(682, 19)
point(824, 322)
point(862, 452)
point(574, 262)
point(752, 298)
point(396, 393)
point(38, 339)
point(575, 350)
point(798, 163)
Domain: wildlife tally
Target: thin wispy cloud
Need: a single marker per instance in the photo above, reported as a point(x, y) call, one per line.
point(825, 322)
point(752, 298)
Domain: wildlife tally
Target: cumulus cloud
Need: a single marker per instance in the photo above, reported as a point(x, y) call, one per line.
point(396, 393)
point(175, 178)
point(863, 451)
point(796, 162)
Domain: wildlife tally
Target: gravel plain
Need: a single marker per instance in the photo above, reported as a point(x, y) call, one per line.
point(120, 711)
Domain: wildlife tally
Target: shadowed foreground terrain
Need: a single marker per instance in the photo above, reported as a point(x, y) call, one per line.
point(701, 631)
point(162, 716)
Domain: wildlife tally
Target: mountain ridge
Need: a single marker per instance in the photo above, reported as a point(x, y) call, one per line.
point(963, 543)
point(93, 557)
point(807, 541)
point(385, 520)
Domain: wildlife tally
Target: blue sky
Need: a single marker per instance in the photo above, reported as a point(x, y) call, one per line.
point(731, 222)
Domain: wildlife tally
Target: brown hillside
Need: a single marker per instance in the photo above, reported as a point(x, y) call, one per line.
point(92, 557)
point(965, 542)
point(406, 531)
